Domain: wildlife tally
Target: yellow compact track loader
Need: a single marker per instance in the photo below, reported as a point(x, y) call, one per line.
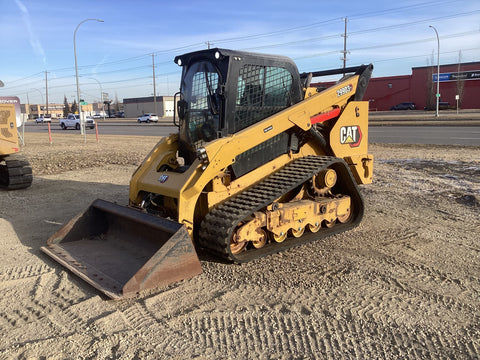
point(262, 161)
point(15, 170)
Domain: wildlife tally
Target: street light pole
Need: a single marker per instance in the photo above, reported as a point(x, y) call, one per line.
point(82, 123)
point(438, 70)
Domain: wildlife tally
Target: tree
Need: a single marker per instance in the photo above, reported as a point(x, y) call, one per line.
point(117, 105)
point(460, 80)
point(66, 107)
point(74, 107)
point(430, 98)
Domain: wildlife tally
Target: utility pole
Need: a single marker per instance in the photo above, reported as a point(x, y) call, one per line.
point(46, 91)
point(154, 88)
point(208, 43)
point(345, 45)
point(27, 110)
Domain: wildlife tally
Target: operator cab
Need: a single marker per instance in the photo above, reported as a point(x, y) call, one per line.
point(223, 92)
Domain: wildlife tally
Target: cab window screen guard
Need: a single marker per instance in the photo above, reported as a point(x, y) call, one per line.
point(261, 91)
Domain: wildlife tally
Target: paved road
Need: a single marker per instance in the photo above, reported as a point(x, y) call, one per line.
point(438, 135)
point(110, 128)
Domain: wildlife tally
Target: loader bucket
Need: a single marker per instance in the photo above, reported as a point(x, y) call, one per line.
point(121, 251)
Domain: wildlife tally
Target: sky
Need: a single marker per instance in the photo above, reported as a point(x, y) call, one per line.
point(116, 56)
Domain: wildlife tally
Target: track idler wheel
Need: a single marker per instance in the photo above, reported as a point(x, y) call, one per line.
point(344, 218)
point(298, 232)
point(314, 228)
point(330, 224)
point(237, 245)
point(261, 241)
point(248, 232)
point(279, 238)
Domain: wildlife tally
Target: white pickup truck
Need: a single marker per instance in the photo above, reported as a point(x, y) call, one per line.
point(73, 120)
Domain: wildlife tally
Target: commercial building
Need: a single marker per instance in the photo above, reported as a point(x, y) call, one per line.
point(134, 107)
point(33, 111)
point(421, 86)
point(36, 110)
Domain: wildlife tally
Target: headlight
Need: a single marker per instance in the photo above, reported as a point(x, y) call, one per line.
point(203, 157)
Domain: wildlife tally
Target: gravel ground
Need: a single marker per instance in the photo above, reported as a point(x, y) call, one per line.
point(403, 284)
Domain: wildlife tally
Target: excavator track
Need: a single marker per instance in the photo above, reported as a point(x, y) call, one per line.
point(218, 226)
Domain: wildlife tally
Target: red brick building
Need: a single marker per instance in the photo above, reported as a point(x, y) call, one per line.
point(421, 87)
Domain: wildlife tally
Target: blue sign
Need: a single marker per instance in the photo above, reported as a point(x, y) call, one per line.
point(463, 75)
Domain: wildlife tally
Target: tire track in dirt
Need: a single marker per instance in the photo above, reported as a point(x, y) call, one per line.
point(107, 346)
point(54, 299)
point(428, 279)
point(23, 272)
point(419, 271)
point(45, 348)
point(154, 330)
point(62, 307)
point(63, 299)
point(250, 334)
point(145, 327)
point(27, 315)
point(249, 330)
point(409, 298)
point(25, 310)
point(164, 305)
point(138, 317)
point(384, 294)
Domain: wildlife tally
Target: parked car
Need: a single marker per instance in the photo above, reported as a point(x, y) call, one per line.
point(120, 114)
point(147, 118)
point(47, 118)
point(404, 106)
point(442, 105)
point(97, 116)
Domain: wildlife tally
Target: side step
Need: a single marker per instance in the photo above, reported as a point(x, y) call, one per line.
point(121, 251)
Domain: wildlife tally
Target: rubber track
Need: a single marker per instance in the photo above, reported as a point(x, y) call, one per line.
point(216, 229)
point(16, 173)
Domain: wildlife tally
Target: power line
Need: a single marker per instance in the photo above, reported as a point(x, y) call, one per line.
point(388, 45)
point(428, 4)
point(283, 31)
point(353, 33)
point(20, 83)
point(423, 55)
point(323, 22)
